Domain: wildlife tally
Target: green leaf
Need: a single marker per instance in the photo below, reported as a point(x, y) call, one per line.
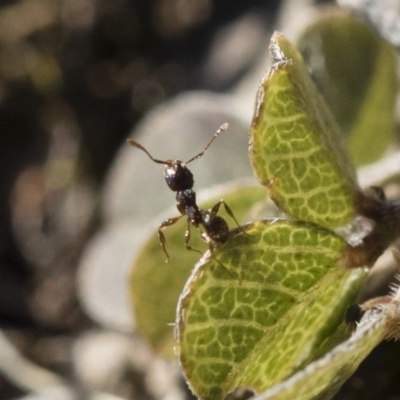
point(323, 378)
point(265, 304)
point(374, 128)
point(356, 73)
point(155, 286)
point(295, 144)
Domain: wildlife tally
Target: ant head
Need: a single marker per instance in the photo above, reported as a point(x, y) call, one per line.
point(176, 173)
point(178, 176)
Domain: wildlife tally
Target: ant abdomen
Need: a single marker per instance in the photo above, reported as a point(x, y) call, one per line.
point(217, 230)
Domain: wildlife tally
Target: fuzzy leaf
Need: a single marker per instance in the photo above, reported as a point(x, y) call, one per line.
point(356, 72)
point(263, 306)
point(295, 144)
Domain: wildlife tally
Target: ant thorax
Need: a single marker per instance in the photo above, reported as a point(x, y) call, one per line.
point(186, 202)
point(178, 176)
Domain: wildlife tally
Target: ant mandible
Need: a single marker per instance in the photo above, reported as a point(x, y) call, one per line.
point(180, 180)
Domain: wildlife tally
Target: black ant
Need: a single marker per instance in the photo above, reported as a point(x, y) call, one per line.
point(180, 180)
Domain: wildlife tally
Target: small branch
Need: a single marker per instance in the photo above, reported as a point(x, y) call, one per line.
point(386, 216)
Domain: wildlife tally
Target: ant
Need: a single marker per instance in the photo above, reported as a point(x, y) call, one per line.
point(180, 180)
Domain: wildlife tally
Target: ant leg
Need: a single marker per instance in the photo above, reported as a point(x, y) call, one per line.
point(228, 210)
point(161, 238)
point(211, 249)
point(167, 222)
point(221, 129)
point(187, 238)
point(215, 210)
point(222, 266)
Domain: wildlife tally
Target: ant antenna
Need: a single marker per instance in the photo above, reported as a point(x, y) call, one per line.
point(139, 146)
point(221, 129)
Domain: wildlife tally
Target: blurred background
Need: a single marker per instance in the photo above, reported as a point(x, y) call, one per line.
point(77, 77)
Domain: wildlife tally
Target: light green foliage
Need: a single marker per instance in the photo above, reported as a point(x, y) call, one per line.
point(265, 310)
point(324, 377)
point(374, 129)
point(245, 319)
point(356, 73)
point(155, 286)
point(295, 145)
